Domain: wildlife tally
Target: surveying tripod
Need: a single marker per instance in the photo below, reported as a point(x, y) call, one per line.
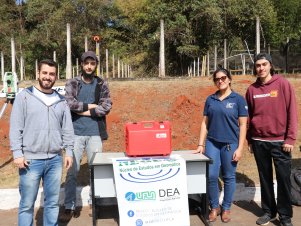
point(9, 99)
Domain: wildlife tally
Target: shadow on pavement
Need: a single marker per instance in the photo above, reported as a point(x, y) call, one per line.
point(103, 213)
point(245, 179)
point(77, 214)
point(249, 206)
point(253, 208)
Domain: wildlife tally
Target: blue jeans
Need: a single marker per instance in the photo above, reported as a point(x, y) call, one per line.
point(221, 155)
point(91, 144)
point(50, 171)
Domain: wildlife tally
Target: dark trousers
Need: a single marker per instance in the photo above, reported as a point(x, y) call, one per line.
point(265, 154)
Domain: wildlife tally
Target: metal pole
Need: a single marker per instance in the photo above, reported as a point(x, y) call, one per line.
point(69, 64)
point(21, 68)
point(58, 71)
point(243, 64)
point(286, 54)
point(54, 56)
point(98, 57)
point(2, 66)
point(13, 56)
point(118, 68)
point(193, 67)
point(113, 63)
point(37, 70)
point(225, 53)
point(215, 57)
point(122, 70)
point(198, 67)
point(107, 63)
point(86, 43)
point(257, 35)
point(162, 54)
point(77, 67)
point(208, 69)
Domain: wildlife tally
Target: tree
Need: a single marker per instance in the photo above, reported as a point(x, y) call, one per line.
point(289, 19)
point(130, 28)
point(10, 20)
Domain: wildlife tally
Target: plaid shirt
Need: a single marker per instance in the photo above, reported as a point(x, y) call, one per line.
point(102, 99)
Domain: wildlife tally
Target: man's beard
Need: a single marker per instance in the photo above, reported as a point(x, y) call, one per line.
point(46, 86)
point(88, 75)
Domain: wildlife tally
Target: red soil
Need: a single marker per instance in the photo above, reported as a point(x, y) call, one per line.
point(180, 101)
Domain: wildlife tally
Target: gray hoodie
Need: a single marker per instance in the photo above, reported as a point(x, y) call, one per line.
point(38, 131)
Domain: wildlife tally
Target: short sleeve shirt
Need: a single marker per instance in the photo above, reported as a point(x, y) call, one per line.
point(223, 124)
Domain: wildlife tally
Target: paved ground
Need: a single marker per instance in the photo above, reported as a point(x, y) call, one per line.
point(243, 214)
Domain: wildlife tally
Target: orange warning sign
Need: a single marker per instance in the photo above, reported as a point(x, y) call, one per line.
point(96, 38)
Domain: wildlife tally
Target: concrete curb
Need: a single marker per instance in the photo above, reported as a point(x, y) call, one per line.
point(10, 197)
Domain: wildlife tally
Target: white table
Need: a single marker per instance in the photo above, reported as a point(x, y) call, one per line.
point(103, 184)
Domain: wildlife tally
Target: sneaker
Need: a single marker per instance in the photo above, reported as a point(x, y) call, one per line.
point(265, 219)
point(66, 216)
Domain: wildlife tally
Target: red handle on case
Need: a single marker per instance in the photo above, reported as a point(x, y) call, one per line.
point(148, 124)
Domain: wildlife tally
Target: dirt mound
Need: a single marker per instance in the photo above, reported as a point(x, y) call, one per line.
point(180, 101)
point(186, 117)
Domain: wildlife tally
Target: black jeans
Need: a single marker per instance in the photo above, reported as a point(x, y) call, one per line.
point(265, 154)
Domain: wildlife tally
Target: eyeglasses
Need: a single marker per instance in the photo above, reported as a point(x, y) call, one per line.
point(223, 78)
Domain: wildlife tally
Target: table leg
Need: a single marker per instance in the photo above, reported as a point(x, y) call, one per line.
point(94, 220)
point(204, 211)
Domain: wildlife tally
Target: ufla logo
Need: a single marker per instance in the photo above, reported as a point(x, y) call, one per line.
point(139, 196)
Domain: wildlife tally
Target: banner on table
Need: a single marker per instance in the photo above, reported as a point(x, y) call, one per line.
point(151, 191)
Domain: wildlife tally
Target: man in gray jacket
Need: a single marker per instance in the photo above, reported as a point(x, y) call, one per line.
point(40, 128)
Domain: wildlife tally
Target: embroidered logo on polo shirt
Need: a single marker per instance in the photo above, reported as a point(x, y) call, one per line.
point(230, 105)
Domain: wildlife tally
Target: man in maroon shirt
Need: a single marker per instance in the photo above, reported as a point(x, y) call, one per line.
point(271, 135)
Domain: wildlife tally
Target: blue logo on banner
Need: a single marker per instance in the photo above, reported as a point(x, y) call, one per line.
point(130, 196)
point(131, 213)
point(139, 222)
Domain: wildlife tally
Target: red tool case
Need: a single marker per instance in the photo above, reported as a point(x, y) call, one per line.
point(148, 138)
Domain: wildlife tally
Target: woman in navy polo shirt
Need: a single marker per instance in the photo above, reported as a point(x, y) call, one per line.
point(222, 135)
